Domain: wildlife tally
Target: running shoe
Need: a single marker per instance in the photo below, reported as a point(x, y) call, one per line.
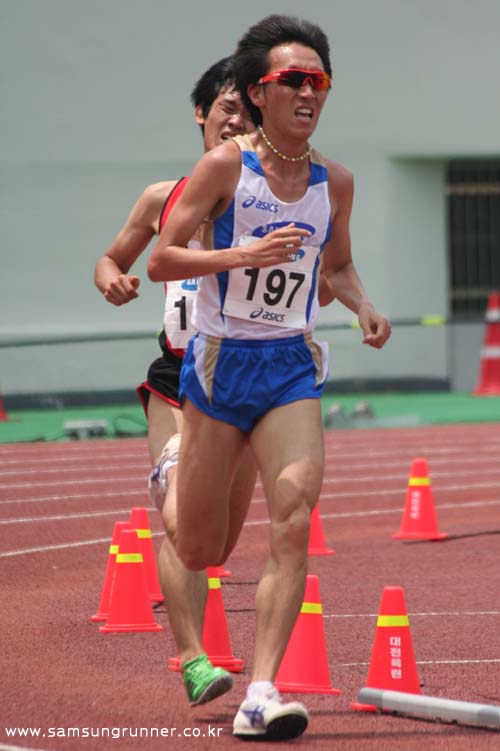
point(203, 682)
point(158, 480)
point(267, 717)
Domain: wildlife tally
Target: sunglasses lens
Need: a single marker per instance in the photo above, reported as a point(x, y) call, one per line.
point(322, 82)
point(297, 78)
point(293, 78)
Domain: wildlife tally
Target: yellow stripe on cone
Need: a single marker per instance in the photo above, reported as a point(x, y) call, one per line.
point(315, 608)
point(390, 621)
point(129, 558)
point(143, 534)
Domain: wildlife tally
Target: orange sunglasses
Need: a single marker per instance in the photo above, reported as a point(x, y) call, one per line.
point(298, 77)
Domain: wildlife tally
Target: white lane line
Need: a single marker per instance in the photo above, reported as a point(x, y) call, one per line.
point(430, 614)
point(399, 491)
point(342, 451)
point(334, 515)
point(377, 465)
point(415, 450)
point(123, 469)
point(429, 662)
point(440, 506)
point(336, 454)
point(339, 480)
point(456, 662)
point(337, 476)
point(382, 511)
point(65, 483)
point(66, 458)
point(354, 479)
point(63, 517)
point(48, 548)
point(63, 546)
point(377, 512)
point(75, 496)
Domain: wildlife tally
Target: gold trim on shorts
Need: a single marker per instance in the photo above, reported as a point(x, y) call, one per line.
point(210, 357)
point(317, 356)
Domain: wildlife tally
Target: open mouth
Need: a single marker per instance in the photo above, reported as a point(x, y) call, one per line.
point(304, 112)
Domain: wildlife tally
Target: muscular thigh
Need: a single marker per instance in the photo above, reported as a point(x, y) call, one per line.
point(208, 456)
point(240, 496)
point(288, 446)
point(210, 450)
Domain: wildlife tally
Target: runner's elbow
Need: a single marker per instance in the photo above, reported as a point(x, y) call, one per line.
point(154, 268)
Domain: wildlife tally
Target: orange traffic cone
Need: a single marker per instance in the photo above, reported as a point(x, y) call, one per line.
point(215, 636)
point(392, 665)
point(129, 604)
point(139, 520)
point(317, 544)
point(419, 518)
point(221, 572)
point(102, 612)
point(3, 413)
point(304, 667)
point(489, 377)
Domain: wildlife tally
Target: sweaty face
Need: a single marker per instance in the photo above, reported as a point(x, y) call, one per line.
point(227, 118)
point(297, 110)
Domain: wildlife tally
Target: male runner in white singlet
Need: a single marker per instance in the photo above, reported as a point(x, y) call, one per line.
point(253, 372)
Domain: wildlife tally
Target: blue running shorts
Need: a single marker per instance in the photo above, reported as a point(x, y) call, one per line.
point(238, 380)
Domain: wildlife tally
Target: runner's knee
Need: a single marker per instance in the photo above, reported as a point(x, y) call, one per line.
point(290, 530)
point(197, 557)
point(158, 479)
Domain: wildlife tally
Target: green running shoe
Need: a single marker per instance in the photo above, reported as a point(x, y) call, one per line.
point(203, 682)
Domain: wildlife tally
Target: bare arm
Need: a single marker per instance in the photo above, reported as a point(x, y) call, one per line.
point(340, 278)
point(208, 194)
point(111, 275)
point(326, 293)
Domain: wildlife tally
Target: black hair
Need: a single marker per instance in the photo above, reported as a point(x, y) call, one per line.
point(250, 61)
point(208, 87)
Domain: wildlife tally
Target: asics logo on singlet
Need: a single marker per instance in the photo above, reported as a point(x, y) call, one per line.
point(191, 285)
point(266, 315)
point(262, 205)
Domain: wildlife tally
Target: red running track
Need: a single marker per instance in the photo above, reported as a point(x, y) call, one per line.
point(58, 505)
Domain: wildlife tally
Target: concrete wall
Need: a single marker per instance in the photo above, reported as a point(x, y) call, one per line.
point(95, 105)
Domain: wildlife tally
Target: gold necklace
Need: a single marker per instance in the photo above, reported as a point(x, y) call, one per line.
point(278, 153)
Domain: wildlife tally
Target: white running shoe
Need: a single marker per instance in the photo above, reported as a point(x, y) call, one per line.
point(267, 717)
point(158, 480)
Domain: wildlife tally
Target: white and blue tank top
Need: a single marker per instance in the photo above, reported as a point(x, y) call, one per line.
point(276, 301)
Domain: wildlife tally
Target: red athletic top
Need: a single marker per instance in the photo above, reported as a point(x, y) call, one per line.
point(170, 202)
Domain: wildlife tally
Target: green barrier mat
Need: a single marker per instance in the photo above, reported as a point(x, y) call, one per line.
point(384, 410)
point(49, 425)
point(406, 410)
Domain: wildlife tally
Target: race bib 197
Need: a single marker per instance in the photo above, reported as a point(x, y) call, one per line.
point(275, 295)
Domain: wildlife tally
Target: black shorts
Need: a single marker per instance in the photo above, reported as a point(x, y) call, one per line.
point(163, 378)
